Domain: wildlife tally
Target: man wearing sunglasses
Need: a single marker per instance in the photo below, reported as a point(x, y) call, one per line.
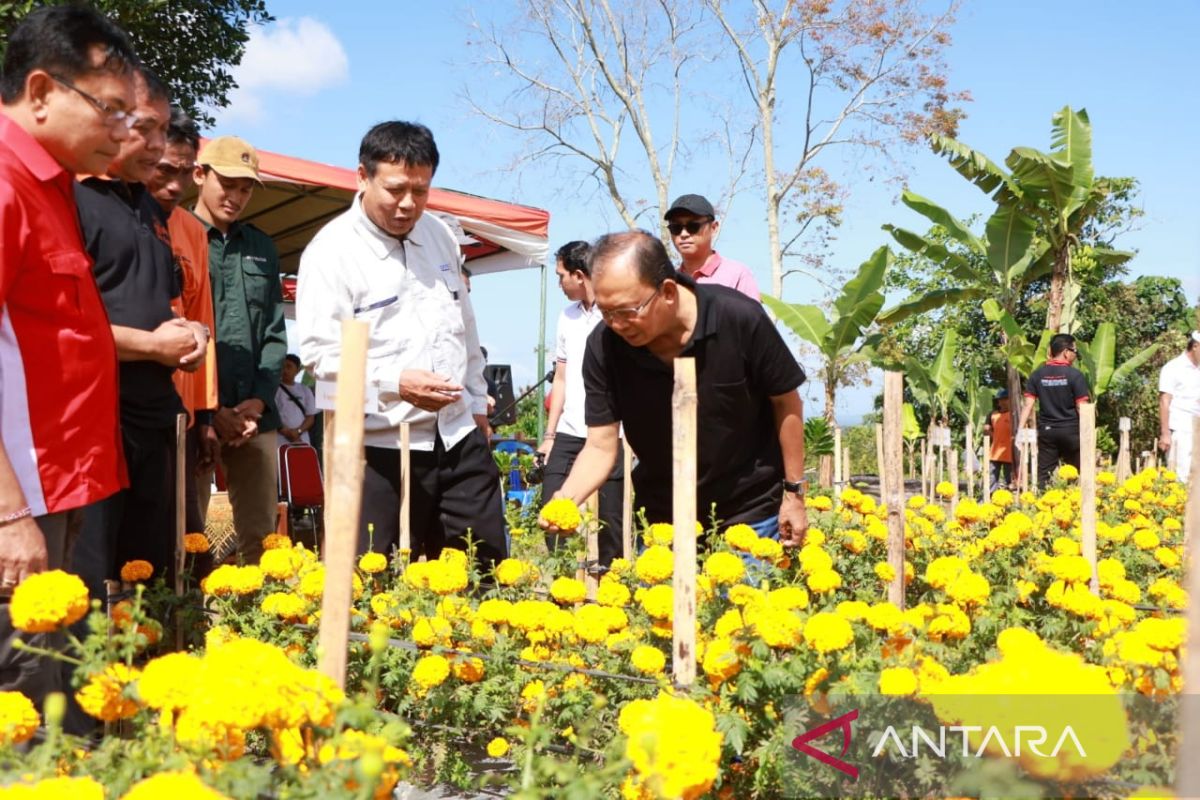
point(65, 88)
point(693, 226)
point(1058, 388)
point(750, 419)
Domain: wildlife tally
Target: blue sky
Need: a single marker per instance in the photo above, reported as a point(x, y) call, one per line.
point(325, 72)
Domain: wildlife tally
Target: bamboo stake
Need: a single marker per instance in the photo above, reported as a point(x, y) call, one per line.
point(879, 458)
point(1188, 775)
point(281, 519)
point(985, 477)
point(627, 503)
point(1033, 467)
point(1087, 486)
point(1123, 459)
point(893, 444)
point(846, 466)
point(683, 436)
point(344, 502)
point(952, 455)
point(593, 547)
point(837, 462)
point(969, 460)
point(181, 477)
point(405, 490)
point(327, 434)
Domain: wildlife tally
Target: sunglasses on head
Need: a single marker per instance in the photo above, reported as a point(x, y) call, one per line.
point(693, 227)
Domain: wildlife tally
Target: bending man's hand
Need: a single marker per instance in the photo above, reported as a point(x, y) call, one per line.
point(22, 552)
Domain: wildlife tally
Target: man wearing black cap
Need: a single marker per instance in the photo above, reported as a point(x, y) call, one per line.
point(693, 225)
point(1058, 388)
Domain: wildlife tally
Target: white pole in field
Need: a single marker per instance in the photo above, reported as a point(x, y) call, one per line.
point(344, 502)
point(985, 476)
point(1125, 424)
point(969, 459)
point(1188, 775)
point(683, 436)
point(893, 449)
point(1087, 486)
point(879, 458)
point(837, 462)
point(405, 490)
point(627, 503)
point(952, 456)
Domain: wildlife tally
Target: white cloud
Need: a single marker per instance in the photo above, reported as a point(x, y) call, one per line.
point(293, 56)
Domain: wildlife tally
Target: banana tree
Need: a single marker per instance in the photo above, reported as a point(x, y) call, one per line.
point(1097, 360)
point(841, 337)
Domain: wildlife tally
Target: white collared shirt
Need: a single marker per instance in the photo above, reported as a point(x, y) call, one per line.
point(1180, 378)
point(412, 294)
point(574, 325)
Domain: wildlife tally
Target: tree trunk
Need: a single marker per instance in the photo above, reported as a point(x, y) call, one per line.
point(766, 115)
point(825, 476)
point(1058, 289)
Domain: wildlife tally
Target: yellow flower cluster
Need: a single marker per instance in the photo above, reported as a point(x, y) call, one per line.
point(673, 745)
point(655, 565)
point(48, 601)
point(19, 720)
point(231, 580)
point(176, 785)
point(106, 695)
point(276, 541)
point(372, 563)
point(444, 575)
point(136, 571)
point(196, 543)
point(568, 590)
point(725, 569)
point(562, 513)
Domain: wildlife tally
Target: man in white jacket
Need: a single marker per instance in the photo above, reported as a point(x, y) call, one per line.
point(388, 263)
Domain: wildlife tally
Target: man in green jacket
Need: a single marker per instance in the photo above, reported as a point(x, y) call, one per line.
point(251, 339)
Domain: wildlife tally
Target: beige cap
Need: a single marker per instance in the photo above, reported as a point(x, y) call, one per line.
point(230, 157)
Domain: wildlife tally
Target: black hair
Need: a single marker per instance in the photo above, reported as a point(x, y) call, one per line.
point(650, 257)
point(575, 257)
point(1193, 342)
point(295, 359)
point(156, 87)
point(59, 40)
point(398, 142)
point(1060, 342)
point(182, 129)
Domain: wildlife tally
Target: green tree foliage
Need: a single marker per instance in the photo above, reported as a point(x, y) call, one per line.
point(190, 44)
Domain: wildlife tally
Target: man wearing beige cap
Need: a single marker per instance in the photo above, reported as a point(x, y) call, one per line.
point(243, 267)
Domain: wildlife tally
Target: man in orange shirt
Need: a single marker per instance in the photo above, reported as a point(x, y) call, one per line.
point(171, 180)
point(999, 427)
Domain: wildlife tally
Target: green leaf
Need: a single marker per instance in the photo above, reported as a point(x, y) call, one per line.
point(1122, 372)
point(1071, 136)
point(863, 287)
point(973, 165)
point(940, 216)
point(1098, 356)
point(945, 377)
point(1043, 177)
point(911, 429)
point(1009, 236)
point(806, 321)
point(928, 302)
point(847, 330)
point(959, 266)
point(1110, 257)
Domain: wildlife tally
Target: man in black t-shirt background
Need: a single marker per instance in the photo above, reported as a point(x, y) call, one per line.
point(1058, 388)
point(750, 418)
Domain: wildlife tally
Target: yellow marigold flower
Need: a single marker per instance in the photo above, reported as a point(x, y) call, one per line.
point(495, 611)
point(767, 550)
point(1025, 590)
point(729, 623)
point(916, 502)
point(942, 571)
point(562, 513)
point(19, 720)
point(826, 632)
point(180, 785)
point(885, 572)
point(969, 588)
point(619, 567)
point(814, 559)
point(281, 564)
point(824, 581)
point(61, 788)
point(897, 681)
point(104, 696)
point(1167, 557)
point(1068, 472)
point(612, 592)
point(196, 543)
point(885, 617)
point(1146, 540)
point(533, 695)
point(819, 502)
point(373, 563)
point(721, 661)
point(666, 764)
point(655, 565)
point(968, 511)
point(229, 579)
point(512, 571)
point(852, 610)
point(1162, 634)
point(1105, 478)
point(814, 681)
point(430, 671)
point(949, 623)
point(659, 601)
point(276, 541)
point(48, 601)
point(1172, 524)
point(724, 568)
point(741, 537)
point(568, 590)
point(789, 597)
point(854, 541)
point(945, 489)
point(428, 631)
point(284, 605)
point(447, 576)
point(743, 594)
point(136, 571)
point(660, 533)
point(1063, 546)
point(648, 660)
point(1002, 498)
point(312, 583)
point(498, 747)
point(168, 681)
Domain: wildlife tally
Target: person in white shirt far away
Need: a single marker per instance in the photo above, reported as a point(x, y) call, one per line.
point(566, 432)
point(296, 404)
point(1179, 404)
point(386, 262)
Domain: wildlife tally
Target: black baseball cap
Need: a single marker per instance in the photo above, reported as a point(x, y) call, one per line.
point(693, 203)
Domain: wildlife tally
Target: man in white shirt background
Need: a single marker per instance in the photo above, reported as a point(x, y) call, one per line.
point(388, 263)
point(566, 431)
point(1179, 404)
point(296, 404)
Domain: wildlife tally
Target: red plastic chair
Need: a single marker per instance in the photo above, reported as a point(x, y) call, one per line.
point(303, 487)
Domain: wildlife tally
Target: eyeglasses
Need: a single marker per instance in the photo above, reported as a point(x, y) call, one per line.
point(112, 116)
point(693, 227)
point(628, 314)
point(1072, 350)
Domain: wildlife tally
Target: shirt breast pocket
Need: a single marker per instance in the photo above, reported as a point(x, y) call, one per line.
point(722, 412)
point(68, 271)
point(258, 283)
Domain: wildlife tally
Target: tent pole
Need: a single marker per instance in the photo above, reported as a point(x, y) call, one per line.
point(541, 351)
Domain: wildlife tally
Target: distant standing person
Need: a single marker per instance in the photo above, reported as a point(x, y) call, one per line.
point(1179, 405)
point(999, 428)
point(566, 430)
point(243, 267)
point(1058, 388)
point(296, 403)
point(693, 225)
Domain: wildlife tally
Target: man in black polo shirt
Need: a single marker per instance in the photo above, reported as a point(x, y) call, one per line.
point(750, 416)
point(1058, 389)
point(124, 230)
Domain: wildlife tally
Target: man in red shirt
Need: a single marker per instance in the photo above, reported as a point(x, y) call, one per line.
point(66, 88)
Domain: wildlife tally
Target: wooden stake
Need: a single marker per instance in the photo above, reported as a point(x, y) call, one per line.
point(952, 455)
point(1188, 775)
point(837, 462)
point(683, 437)
point(281, 519)
point(627, 503)
point(181, 477)
point(327, 434)
point(1123, 459)
point(893, 448)
point(593, 547)
point(879, 458)
point(344, 502)
point(985, 477)
point(846, 466)
point(405, 490)
point(969, 461)
point(1033, 468)
point(1087, 486)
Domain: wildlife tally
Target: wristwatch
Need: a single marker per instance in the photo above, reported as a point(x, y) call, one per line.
point(795, 487)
